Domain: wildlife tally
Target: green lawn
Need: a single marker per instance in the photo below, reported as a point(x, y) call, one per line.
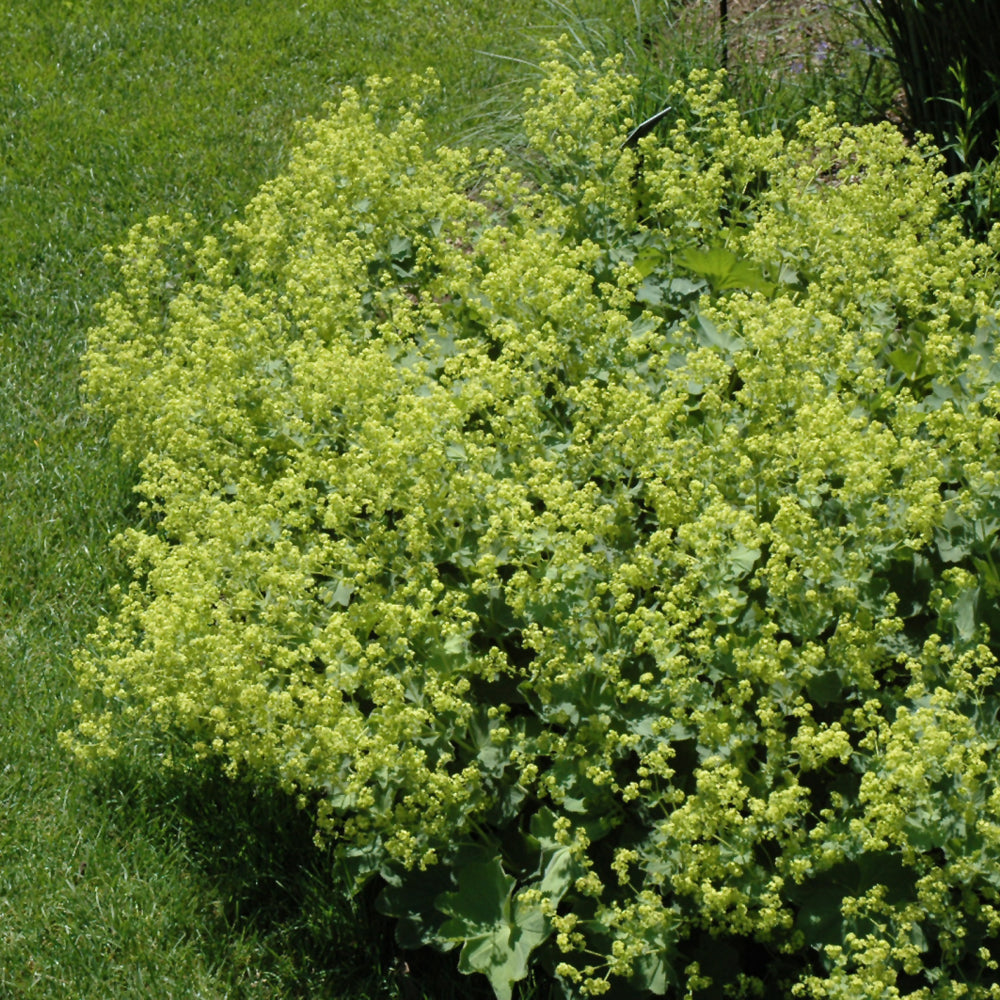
point(111, 111)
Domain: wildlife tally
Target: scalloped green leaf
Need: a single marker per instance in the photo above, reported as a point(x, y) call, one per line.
point(496, 931)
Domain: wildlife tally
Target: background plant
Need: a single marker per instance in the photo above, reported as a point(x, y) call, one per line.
point(609, 572)
point(950, 71)
point(782, 59)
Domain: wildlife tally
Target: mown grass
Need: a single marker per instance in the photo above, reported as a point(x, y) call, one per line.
point(111, 111)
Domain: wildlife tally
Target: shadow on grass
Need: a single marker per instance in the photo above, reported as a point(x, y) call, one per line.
point(267, 881)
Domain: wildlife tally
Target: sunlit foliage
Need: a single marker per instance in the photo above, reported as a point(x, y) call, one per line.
point(604, 555)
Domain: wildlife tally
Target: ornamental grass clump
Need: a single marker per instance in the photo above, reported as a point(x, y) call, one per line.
point(946, 54)
point(606, 559)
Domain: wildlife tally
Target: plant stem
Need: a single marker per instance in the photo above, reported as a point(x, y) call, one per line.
point(723, 31)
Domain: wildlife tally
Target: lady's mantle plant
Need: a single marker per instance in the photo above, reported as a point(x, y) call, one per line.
point(608, 560)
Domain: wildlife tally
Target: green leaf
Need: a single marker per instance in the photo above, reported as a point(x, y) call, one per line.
point(654, 971)
point(725, 271)
point(742, 558)
point(825, 688)
point(411, 904)
point(647, 260)
point(643, 325)
point(336, 593)
point(955, 537)
point(400, 247)
point(819, 915)
point(560, 873)
point(456, 645)
point(907, 362)
point(988, 574)
point(964, 611)
point(714, 264)
point(496, 933)
point(649, 293)
point(748, 277)
point(711, 336)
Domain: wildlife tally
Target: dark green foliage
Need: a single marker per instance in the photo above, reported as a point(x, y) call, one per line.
point(949, 62)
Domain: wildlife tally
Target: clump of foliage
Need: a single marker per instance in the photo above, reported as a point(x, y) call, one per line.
point(779, 61)
point(950, 69)
point(608, 562)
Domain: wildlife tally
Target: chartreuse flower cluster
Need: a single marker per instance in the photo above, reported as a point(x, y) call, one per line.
point(609, 563)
